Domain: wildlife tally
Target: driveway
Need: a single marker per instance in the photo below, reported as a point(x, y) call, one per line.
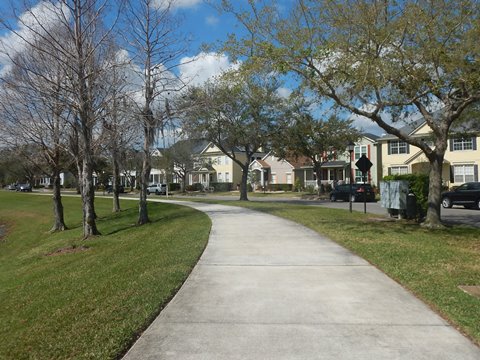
point(268, 288)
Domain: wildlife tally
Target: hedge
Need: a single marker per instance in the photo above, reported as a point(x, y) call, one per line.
point(280, 187)
point(221, 186)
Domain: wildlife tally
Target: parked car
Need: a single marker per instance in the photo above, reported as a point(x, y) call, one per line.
point(158, 189)
point(24, 187)
point(467, 194)
point(12, 187)
point(342, 192)
point(121, 189)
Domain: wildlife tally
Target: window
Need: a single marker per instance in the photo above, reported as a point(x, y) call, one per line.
point(360, 150)
point(227, 177)
point(462, 144)
point(397, 147)
point(398, 170)
point(220, 177)
point(463, 173)
point(274, 178)
point(359, 177)
point(289, 178)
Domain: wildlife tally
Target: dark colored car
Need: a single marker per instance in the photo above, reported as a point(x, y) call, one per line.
point(342, 192)
point(467, 194)
point(121, 189)
point(24, 187)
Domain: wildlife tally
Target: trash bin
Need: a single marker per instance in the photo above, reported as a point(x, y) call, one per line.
point(411, 212)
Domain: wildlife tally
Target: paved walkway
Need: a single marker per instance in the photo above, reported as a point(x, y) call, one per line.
point(267, 288)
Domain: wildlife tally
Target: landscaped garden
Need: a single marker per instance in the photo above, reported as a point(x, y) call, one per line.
point(64, 297)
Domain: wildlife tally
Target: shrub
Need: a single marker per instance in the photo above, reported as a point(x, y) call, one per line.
point(280, 187)
point(194, 187)
point(417, 184)
point(174, 187)
point(222, 186)
point(298, 185)
point(310, 189)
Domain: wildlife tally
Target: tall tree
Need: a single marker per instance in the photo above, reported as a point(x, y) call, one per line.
point(378, 57)
point(237, 112)
point(119, 127)
point(317, 139)
point(72, 34)
point(154, 42)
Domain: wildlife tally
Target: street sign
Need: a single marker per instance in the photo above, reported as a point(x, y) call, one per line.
point(363, 164)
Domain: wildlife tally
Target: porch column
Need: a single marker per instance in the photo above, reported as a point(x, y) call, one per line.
point(262, 181)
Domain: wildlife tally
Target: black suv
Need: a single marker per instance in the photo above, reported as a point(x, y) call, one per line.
point(342, 192)
point(467, 195)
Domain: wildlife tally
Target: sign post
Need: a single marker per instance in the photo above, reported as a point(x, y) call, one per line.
point(363, 164)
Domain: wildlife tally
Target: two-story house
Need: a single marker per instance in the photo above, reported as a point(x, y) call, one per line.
point(460, 162)
point(212, 165)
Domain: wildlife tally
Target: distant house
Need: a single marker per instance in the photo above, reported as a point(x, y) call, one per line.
point(213, 166)
point(272, 170)
point(461, 161)
point(368, 145)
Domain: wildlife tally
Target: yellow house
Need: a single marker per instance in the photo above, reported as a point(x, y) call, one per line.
point(460, 163)
point(213, 166)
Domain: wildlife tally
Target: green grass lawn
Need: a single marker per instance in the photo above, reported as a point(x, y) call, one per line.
point(89, 304)
point(431, 264)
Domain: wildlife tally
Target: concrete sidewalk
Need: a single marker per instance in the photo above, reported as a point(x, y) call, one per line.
point(267, 288)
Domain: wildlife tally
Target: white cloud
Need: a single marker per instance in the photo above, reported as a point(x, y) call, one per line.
point(212, 20)
point(284, 92)
point(39, 19)
point(176, 4)
point(198, 69)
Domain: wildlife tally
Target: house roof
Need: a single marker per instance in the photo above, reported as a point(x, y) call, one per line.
point(370, 136)
point(197, 145)
point(408, 129)
point(300, 162)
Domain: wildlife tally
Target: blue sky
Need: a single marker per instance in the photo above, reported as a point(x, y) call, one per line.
point(204, 25)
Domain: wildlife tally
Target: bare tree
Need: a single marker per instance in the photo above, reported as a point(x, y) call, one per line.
point(34, 114)
point(118, 125)
point(155, 45)
point(72, 34)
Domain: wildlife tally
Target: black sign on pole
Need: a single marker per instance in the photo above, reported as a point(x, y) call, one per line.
point(363, 164)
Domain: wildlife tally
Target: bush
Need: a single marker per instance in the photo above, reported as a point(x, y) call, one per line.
point(280, 187)
point(221, 186)
point(194, 187)
point(174, 187)
point(298, 185)
point(310, 189)
point(417, 184)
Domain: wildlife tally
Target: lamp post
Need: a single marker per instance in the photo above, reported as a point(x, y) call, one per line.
point(350, 149)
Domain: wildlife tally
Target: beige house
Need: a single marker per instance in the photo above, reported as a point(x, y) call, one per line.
point(272, 170)
point(212, 165)
point(460, 163)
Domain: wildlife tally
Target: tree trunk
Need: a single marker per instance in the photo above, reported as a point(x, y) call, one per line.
point(115, 183)
point(59, 223)
point(318, 173)
point(88, 200)
point(243, 184)
point(184, 182)
point(433, 219)
point(144, 179)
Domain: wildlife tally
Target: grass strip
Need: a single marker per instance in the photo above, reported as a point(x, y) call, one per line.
point(91, 298)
